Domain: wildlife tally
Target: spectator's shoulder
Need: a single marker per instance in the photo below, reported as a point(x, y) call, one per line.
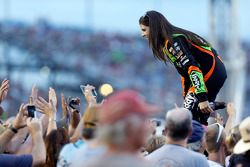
point(7, 160)
point(200, 158)
point(68, 152)
point(155, 154)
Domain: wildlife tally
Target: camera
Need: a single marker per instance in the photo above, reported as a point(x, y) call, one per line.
point(74, 103)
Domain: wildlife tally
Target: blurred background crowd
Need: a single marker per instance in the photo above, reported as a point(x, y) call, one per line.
point(64, 45)
point(68, 57)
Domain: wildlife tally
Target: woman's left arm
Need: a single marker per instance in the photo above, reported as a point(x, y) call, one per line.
point(187, 61)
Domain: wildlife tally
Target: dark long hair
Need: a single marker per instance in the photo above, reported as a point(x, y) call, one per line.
point(160, 30)
point(54, 142)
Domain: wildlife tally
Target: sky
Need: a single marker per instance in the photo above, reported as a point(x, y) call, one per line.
point(120, 15)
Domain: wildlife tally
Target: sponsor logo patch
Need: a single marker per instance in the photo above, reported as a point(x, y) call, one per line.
point(190, 101)
point(196, 81)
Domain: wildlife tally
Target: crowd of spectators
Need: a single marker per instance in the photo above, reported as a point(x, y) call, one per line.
point(118, 131)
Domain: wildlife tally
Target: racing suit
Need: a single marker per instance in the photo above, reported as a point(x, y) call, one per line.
point(202, 72)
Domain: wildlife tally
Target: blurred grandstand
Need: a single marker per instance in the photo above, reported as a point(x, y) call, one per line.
point(65, 57)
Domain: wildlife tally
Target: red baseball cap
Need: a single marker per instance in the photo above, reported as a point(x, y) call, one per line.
point(124, 103)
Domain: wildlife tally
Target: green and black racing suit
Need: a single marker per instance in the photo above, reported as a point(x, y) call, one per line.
point(202, 72)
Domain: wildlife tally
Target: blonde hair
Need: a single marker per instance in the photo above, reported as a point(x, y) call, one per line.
point(91, 116)
point(154, 142)
point(232, 138)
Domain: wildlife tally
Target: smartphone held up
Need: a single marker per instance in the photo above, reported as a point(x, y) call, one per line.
point(31, 109)
point(94, 93)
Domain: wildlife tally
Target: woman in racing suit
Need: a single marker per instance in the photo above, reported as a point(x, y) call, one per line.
point(202, 70)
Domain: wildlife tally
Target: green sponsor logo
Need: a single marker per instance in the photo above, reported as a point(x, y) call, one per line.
point(169, 55)
point(198, 82)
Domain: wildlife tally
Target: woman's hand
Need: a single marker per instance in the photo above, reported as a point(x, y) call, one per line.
point(205, 107)
point(20, 119)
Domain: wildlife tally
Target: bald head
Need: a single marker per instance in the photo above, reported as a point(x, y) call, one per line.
point(178, 123)
point(179, 115)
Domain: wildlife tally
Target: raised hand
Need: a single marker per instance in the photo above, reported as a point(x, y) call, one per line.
point(34, 125)
point(52, 96)
point(230, 109)
point(19, 121)
point(48, 108)
point(90, 98)
point(34, 94)
point(65, 108)
point(4, 89)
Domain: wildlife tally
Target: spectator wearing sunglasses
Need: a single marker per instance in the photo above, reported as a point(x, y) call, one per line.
point(215, 145)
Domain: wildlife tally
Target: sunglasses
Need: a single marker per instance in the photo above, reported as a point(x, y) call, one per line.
point(89, 124)
point(221, 128)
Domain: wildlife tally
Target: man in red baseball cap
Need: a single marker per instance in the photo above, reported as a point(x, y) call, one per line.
point(123, 129)
point(125, 103)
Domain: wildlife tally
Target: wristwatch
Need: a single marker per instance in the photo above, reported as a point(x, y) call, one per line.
point(52, 119)
point(14, 130)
